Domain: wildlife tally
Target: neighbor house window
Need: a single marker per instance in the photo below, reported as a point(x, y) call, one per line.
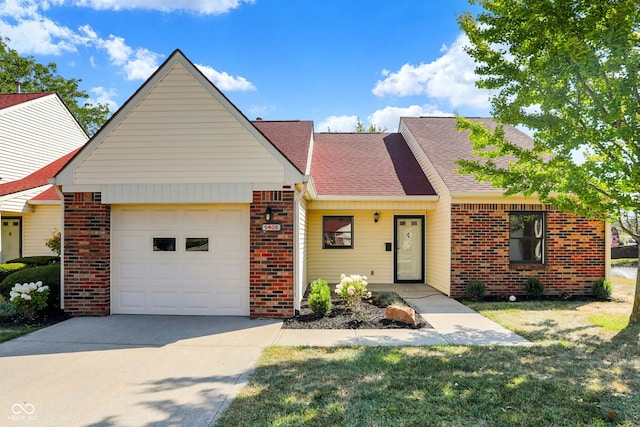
point(526, 237)
point(337, 232)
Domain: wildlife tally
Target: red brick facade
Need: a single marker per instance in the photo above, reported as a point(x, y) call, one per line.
point(87, 224)
point(271, 256)
point(575, 251)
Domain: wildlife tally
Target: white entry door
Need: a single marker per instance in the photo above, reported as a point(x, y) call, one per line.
point(190, 260)
point(409, 249)
point(11, 238)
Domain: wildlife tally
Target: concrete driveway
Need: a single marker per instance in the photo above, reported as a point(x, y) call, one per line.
point(129, 370)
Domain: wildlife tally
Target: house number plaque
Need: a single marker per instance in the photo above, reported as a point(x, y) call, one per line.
point(272, 227)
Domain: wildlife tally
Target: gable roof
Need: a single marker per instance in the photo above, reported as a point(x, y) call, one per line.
point(292, 137)
point(443, 144)
point(177, 108)
point(11, 99)
point(366, 164)
point(38, 178)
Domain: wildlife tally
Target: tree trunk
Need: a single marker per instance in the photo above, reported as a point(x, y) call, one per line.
point(635, 311)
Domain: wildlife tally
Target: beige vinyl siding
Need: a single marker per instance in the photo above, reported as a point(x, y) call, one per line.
point(302, 249)
point(179, 133)
point(34, 134)
point(38, 226)
point(439, 247)
point(368, 253)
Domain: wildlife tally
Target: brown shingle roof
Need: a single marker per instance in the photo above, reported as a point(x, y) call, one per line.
point(11, 99)
point(366, 164)
point(443, 144)
point(292, 138)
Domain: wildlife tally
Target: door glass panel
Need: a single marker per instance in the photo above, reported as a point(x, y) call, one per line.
point(409, 249)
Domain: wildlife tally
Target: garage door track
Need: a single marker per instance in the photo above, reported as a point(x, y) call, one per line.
point(130, 370)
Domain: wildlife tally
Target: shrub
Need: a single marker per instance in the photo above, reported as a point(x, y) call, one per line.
point(387, 298)
point(534, 287)
point(29, 298)
point(7, 269)
point(474, 290)
point(352, 289)
point(6, 308)
point(320, 297)
point(602, 288)
point(48, 274)
point(33, 261)
point(53, 242)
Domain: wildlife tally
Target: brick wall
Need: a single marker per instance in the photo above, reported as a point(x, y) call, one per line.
point(271, 256)
point(86, 255)
point(575, 251)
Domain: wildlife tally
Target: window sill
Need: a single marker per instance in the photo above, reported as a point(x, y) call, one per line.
point(527, 267)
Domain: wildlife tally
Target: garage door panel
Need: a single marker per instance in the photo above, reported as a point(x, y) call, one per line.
point(212, 279)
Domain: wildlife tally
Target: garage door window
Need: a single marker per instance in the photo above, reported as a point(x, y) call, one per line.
point(196, 244)
point(164, 244)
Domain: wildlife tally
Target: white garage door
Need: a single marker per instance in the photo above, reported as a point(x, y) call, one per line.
point(191, 260)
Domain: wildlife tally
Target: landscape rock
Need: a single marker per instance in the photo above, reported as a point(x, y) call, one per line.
point(401, 314)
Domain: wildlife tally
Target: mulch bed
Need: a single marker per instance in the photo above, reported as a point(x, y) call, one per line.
point(44, 318)
point(371, 316)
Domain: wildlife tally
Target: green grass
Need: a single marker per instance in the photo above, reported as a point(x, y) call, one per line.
point(10, 332)
point(582, 370)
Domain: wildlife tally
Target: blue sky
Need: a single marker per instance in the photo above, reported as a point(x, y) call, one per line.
point(330, 61)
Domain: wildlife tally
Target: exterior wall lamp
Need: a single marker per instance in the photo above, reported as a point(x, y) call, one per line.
point(268, 213)
point(376, 217)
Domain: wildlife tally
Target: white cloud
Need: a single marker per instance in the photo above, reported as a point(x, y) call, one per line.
point(449, 77)
point(388, 118)
point(338, 124)
point(224, 81)
point(142, 65)
point(261, 110)
point(105, 97)
point(204, 7)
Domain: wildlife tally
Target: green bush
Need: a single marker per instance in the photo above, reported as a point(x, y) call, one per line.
point(535, 287)
point(33, 261)
point(602, 289)
point(320, 297)
point(30, 298)
point(6, 309)
point(474, 290)
point(9, 268)
point(49, 275)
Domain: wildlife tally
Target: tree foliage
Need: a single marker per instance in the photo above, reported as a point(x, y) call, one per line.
point(373, 128)
point(569, 70)
point(36, 77)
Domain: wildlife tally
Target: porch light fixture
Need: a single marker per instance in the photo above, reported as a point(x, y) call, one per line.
point(268, 214)
point(376, 217)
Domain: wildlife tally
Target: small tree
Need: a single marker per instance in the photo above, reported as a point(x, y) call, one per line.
point(570, 72)
point(54, 242)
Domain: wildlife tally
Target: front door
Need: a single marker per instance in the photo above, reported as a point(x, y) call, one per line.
point(409, 248)
point(10, 238)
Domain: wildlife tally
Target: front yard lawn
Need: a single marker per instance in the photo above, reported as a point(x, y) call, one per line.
point(583, 370)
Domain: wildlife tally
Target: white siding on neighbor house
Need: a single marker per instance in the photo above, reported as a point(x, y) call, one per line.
point(34, 134)
point(17, 202)
point(368, 254)
point(302, 250)
point(38, 226)
point(179, 133)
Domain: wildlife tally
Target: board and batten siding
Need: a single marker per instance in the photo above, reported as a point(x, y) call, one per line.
point(38, 226)
point(34, 134)
point(179, 133)
point(368, 254)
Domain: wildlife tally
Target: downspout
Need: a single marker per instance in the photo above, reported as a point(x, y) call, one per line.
point(297, 259)
point(61, 195)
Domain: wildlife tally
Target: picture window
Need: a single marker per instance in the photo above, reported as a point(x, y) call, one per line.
point(337, 232)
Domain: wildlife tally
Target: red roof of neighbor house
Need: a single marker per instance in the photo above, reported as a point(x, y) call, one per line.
point(292, 138)
point(443, 144)
point(11, 99)
point(366, 164)
point(37, 179)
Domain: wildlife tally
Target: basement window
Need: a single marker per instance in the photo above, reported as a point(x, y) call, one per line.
point(337, 232)
point(526, 237)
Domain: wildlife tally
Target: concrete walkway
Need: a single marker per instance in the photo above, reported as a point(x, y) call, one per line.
point(181, 370)
point(452, 322)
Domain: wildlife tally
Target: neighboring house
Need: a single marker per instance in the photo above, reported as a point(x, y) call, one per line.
point(182, 205)
point(37, 133)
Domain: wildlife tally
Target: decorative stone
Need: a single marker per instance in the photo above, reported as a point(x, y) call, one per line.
point(401, 314)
